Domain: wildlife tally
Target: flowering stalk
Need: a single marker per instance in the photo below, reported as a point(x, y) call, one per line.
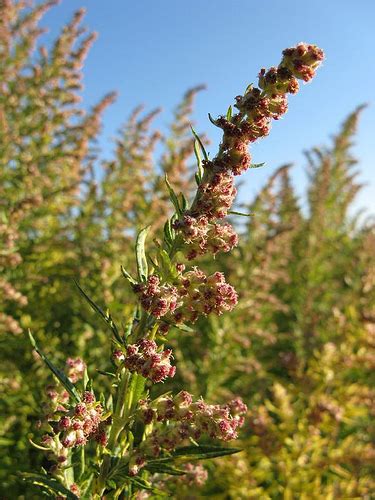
point(147, 434)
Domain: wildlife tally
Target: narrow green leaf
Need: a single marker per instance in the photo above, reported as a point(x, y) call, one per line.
point(180, 326)
point(248, 88)
point(111, 483)
point(257, 165)
point(167, 268)
point(128, 276)
point(164, 469)
point(204, 451)
point(234, 212)
point(120, 476)
point(82, 461)
point(184, 328)
point(129, 324)
point(37, 446)
point(107, 374)
point(140, 254)
point(86, 379)
point(137, 386)
point(214, 122)
point(205, 155)
point(56, 371)
point(229, 114)
point(173, 196)
point(107, 318)
point(49, 484)
point(183, 202)
point(200, 452)
point(86, 488)
point(168, 239)
point(199, 173)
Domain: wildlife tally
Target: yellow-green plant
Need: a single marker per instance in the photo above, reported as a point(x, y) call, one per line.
point(148, 435)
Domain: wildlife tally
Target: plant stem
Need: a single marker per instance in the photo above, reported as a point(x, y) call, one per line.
point(117, 427)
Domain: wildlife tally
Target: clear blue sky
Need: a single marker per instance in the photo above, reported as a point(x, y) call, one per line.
point(151, 51)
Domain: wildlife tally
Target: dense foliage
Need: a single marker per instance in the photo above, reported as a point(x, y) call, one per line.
point(299, 346)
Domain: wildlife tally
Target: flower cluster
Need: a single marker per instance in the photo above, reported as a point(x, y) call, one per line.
point(57, 399)
point(257, 108)
point(195, 475)
point(194, 293)
point(203, 295)
point(198, 227)
point(68, 426)
point(82, 423)
point(215, 194)
point(302, 60)
point(185, 419)
point(75, 369)
point(143, 358)
point(203, 237)
point(155, 298)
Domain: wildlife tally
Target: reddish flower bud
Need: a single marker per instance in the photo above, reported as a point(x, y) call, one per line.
point(143, 358)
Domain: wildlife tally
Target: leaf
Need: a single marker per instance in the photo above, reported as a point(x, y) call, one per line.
point(248, 88)
point(49, 484)
point(257, 165)
point(56, 371)
point(180, 326)
point(167, 268)
point(137, 386)
point(111, 483)
point(205, 155)
point(107, 374)
point(183, 202)
point(199, 173)
point(140, 254)
point(86, 379)
point(162, 468)
point(129, 324)
point(214, 122)
point(86, 488)
point(173, 196)
point(128, 276)
point(107, 318)
point(184, 328)
point(119, 477)
point(168, 235)
point(229, 114)
point(37, 446)
point(234, 212)
point(197, 453)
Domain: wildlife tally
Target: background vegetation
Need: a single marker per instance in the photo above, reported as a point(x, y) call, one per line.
point(299, 347)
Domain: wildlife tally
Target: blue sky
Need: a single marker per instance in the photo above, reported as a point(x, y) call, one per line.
point(151, 51)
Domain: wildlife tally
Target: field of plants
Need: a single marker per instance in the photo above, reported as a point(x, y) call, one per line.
point(158, 339)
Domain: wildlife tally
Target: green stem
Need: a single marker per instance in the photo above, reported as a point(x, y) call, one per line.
point(82, 462)
point(69, 471)
point(117, 426)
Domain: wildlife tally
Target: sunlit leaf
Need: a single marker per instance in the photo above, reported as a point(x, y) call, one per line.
point(140, 254)
point(48, 483)
point(60, 375)
point(107, 318)
point(203, 149)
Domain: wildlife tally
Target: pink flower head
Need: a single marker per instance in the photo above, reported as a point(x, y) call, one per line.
point(76, 369)
point(143, 358)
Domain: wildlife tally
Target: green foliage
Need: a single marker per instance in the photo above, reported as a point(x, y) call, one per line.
point(299, 346)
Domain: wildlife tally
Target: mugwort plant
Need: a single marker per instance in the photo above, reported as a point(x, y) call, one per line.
point(110, 446)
